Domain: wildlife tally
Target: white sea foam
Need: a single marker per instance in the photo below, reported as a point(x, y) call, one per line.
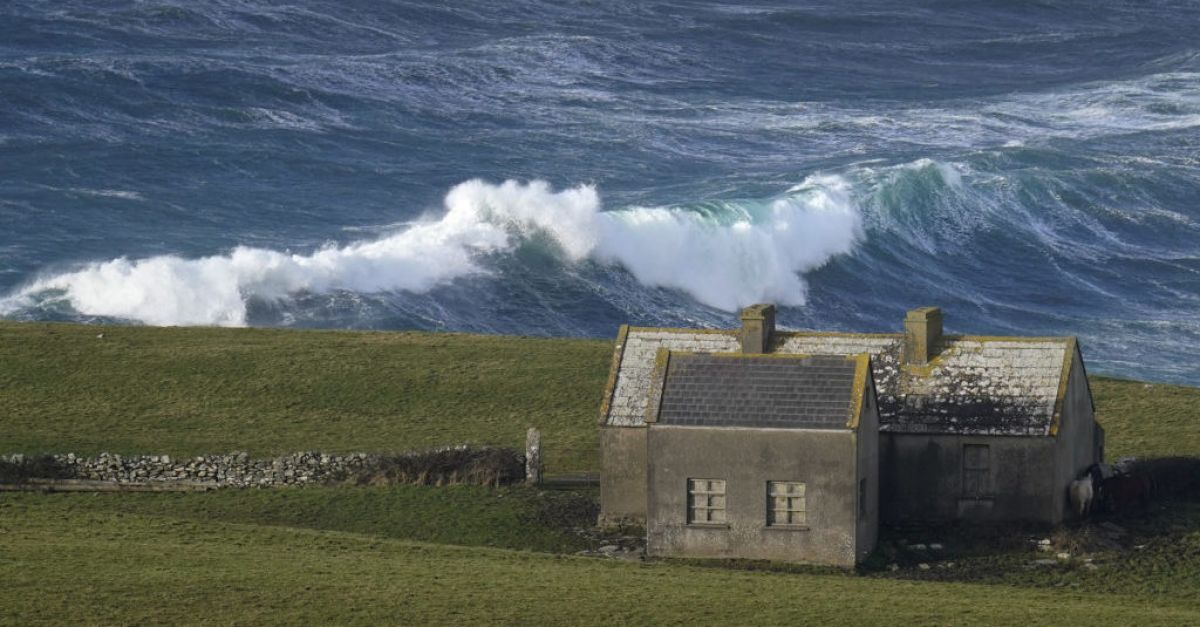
point(1156, 102)
point(110, 193)
point(757, 256)
point(747, 253)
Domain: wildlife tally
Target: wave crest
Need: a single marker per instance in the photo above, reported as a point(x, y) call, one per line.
point(744, 253)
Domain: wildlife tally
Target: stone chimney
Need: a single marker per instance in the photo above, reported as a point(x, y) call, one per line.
point(922, 335)
point(758, 325)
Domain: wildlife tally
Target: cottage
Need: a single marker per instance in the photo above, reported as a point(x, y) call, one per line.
point(970, 427)
point(762, 456)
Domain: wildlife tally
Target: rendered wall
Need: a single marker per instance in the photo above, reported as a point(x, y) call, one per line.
point(746, 459)
point(623, 475)
point(867, 438)
point(922, 478)
point(1077, 433)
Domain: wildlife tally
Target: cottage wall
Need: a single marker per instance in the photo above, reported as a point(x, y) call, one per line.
point(746, 459)
point(1077, 433)
point(623, 475)
point(923, 478)
point(867, 445)
point(997, 392)
point(623, 429)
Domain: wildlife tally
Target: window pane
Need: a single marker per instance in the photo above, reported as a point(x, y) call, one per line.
point(786, 502)
point(706, 500)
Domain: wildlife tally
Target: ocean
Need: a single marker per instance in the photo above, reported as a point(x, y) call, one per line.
point(560, 168)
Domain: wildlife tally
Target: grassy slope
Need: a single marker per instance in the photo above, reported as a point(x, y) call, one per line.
point(136, 568)
point(195, 391)
point(509, 517)
point(239, 556)
point(1167, 565)
point(1147, 420)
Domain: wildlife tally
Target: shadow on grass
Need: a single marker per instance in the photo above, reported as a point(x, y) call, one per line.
point(463, 465)
point(1150, 549)
point(1141, 550)
point(19, 469)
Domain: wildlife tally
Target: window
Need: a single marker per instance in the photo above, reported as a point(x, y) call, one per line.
point(786, 503)
point(977, 470)
point(706, 501)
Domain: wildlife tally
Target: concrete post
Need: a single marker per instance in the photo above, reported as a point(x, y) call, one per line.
point(533, 456)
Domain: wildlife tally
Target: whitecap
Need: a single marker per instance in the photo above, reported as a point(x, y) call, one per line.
point(748, 253)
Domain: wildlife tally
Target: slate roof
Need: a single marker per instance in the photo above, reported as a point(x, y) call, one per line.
point(975, 384)
point(701, 389)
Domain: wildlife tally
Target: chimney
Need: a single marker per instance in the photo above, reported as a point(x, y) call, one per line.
point(922, 335)
point(758, 325)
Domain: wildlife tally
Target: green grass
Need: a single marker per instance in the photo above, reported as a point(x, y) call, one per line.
point(1147, 419)
point(62, 563)
point(192, 391)
point(509, 517)
point(1159, 556)
point(384, 555)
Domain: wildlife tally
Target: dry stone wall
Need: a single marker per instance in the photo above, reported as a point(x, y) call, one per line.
point(240, 470)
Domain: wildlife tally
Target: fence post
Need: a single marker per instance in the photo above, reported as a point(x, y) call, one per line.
point(533, 456)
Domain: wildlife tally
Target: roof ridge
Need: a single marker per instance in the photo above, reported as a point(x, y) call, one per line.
point(857, 334)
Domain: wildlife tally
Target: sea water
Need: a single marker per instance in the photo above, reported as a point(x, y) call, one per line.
point(560, 168)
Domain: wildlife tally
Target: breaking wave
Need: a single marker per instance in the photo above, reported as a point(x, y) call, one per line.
point(724, 255)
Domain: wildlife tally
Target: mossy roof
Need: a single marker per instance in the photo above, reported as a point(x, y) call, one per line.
point(974, 384)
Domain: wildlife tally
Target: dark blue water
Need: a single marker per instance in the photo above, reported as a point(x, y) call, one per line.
point(1033, 168)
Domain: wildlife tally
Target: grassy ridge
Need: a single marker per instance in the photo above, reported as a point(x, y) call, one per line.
point(191, 391)
point(202, 390)
point(1147, 419)
point(356, 554)
point(62, 563)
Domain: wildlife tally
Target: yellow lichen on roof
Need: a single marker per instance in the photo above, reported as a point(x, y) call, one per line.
point(1008, 385)
point(862, 373)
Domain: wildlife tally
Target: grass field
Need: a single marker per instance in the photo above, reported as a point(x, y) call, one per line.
point(64, 561)
point(416, 554)
point(200, 390)
point(194, 391)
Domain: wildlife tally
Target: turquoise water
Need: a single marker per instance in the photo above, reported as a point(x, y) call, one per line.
point(561, 168)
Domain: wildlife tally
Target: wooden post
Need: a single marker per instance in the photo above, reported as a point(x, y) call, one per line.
point(533, 456)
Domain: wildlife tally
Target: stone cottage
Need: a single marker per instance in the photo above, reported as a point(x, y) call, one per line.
point(762, 456)
point(970, 427)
